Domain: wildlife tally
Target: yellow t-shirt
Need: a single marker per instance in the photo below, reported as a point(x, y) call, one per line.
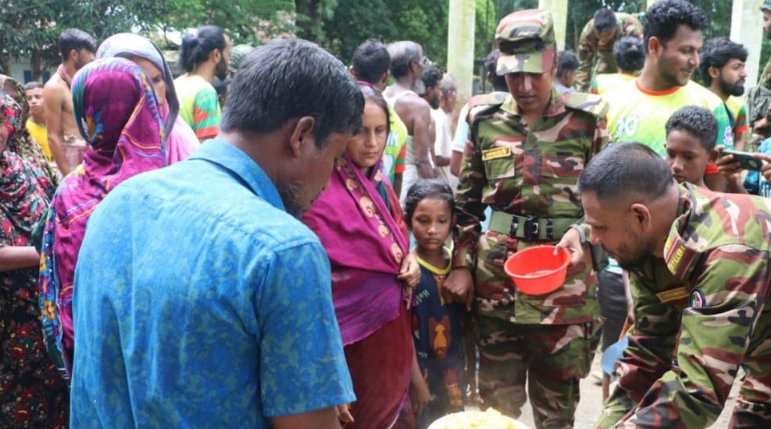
point(40, 135)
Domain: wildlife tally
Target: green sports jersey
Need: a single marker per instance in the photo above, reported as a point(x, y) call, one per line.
point(640, 115)
point(605, 82)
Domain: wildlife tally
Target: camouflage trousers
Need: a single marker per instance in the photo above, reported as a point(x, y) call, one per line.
point(553, 357)
point(753, 407)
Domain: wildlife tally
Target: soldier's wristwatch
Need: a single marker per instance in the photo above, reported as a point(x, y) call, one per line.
point(581, 232)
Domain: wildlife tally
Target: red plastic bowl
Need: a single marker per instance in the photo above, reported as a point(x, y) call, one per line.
point(537, 270)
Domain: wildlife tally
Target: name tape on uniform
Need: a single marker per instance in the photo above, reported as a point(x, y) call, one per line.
point(498, 152)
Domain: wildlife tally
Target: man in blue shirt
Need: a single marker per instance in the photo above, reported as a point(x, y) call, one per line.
point(200, 300)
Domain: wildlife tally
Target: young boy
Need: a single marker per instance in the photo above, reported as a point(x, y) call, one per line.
point(36, 124)
point(691, 134)
point(566, 72)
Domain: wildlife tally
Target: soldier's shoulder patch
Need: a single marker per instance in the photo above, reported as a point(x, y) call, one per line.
point(484, 104)
point(590, 103)
point(493, 98)
point(697, 299)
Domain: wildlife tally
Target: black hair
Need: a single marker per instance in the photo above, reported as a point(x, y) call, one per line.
point(629, 54)
point(370, 61)
point(376, 96)
point(33, 85)
point(291, 78)
point(696, 120)
point(403, 54)
point(717, 52)
point(196, 47)
point(73, 38)
point(431, 77)
point(624, 169)
point(604, 20)
point(426, 189)
point(568, 61)
point(491, 63)
point(664, 16)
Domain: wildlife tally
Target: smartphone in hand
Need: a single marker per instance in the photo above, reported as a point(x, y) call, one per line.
point(745, 159)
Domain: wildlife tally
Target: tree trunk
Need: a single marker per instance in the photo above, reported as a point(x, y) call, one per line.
point(310, 22)
point(36, 63)
point(5, 64)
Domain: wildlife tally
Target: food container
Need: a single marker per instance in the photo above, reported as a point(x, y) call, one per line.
point(490, 419)
point(537, 270)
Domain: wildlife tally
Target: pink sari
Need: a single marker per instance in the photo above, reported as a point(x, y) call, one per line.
point(359, 222)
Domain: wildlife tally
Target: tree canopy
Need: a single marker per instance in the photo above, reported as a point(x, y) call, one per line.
point(29, 28)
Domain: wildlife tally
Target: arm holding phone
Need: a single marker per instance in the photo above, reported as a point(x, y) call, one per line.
point(731, 163)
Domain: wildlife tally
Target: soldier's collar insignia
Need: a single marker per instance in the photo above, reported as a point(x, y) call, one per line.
point(697, 299)
point(679, 257)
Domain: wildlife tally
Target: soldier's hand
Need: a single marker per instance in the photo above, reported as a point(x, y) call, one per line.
point(572, 241)
point(459, 287)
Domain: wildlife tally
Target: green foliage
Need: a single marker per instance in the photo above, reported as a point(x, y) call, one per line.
point(354, 21)
point(246, 21)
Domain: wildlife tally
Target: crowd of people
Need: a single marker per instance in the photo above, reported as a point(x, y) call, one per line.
point(273, 239)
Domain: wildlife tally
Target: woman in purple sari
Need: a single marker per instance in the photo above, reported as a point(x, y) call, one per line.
point(359, 222)
point(117, 112)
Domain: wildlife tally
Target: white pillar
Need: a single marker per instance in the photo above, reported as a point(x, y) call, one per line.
point(559, 12)
point(460, 46)
point(747, 29)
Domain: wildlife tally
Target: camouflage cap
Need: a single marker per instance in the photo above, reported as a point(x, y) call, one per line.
point(766, 5)
point(526, 41)
point(237, 54)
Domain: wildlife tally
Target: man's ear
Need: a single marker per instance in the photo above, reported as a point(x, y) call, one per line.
point(72, 55)
point(642, 216)
point(714, 72)
point(655, 46)
point(215, 55)
point(384, 79)
point(301, 135)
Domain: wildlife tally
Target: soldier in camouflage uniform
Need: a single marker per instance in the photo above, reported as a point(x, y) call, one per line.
point(595, 46)
point(700, 280)
point(523, 157)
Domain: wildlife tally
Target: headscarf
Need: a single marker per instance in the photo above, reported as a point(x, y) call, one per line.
point(22, 143)
point(361, 226)
point(24, 190)
point(36, 391)
point(117, 114)
point(181, 141)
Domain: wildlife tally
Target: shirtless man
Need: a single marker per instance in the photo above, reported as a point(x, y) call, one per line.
point(407, 68)
point(77, 49)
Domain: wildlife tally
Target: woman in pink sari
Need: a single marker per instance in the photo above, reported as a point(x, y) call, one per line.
point(360, 224)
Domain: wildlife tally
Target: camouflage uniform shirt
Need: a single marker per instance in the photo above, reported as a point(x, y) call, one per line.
point(597, 57)
point(526, 171)
point(703, 301)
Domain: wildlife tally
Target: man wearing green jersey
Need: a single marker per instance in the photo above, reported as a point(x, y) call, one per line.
point(640, 108)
